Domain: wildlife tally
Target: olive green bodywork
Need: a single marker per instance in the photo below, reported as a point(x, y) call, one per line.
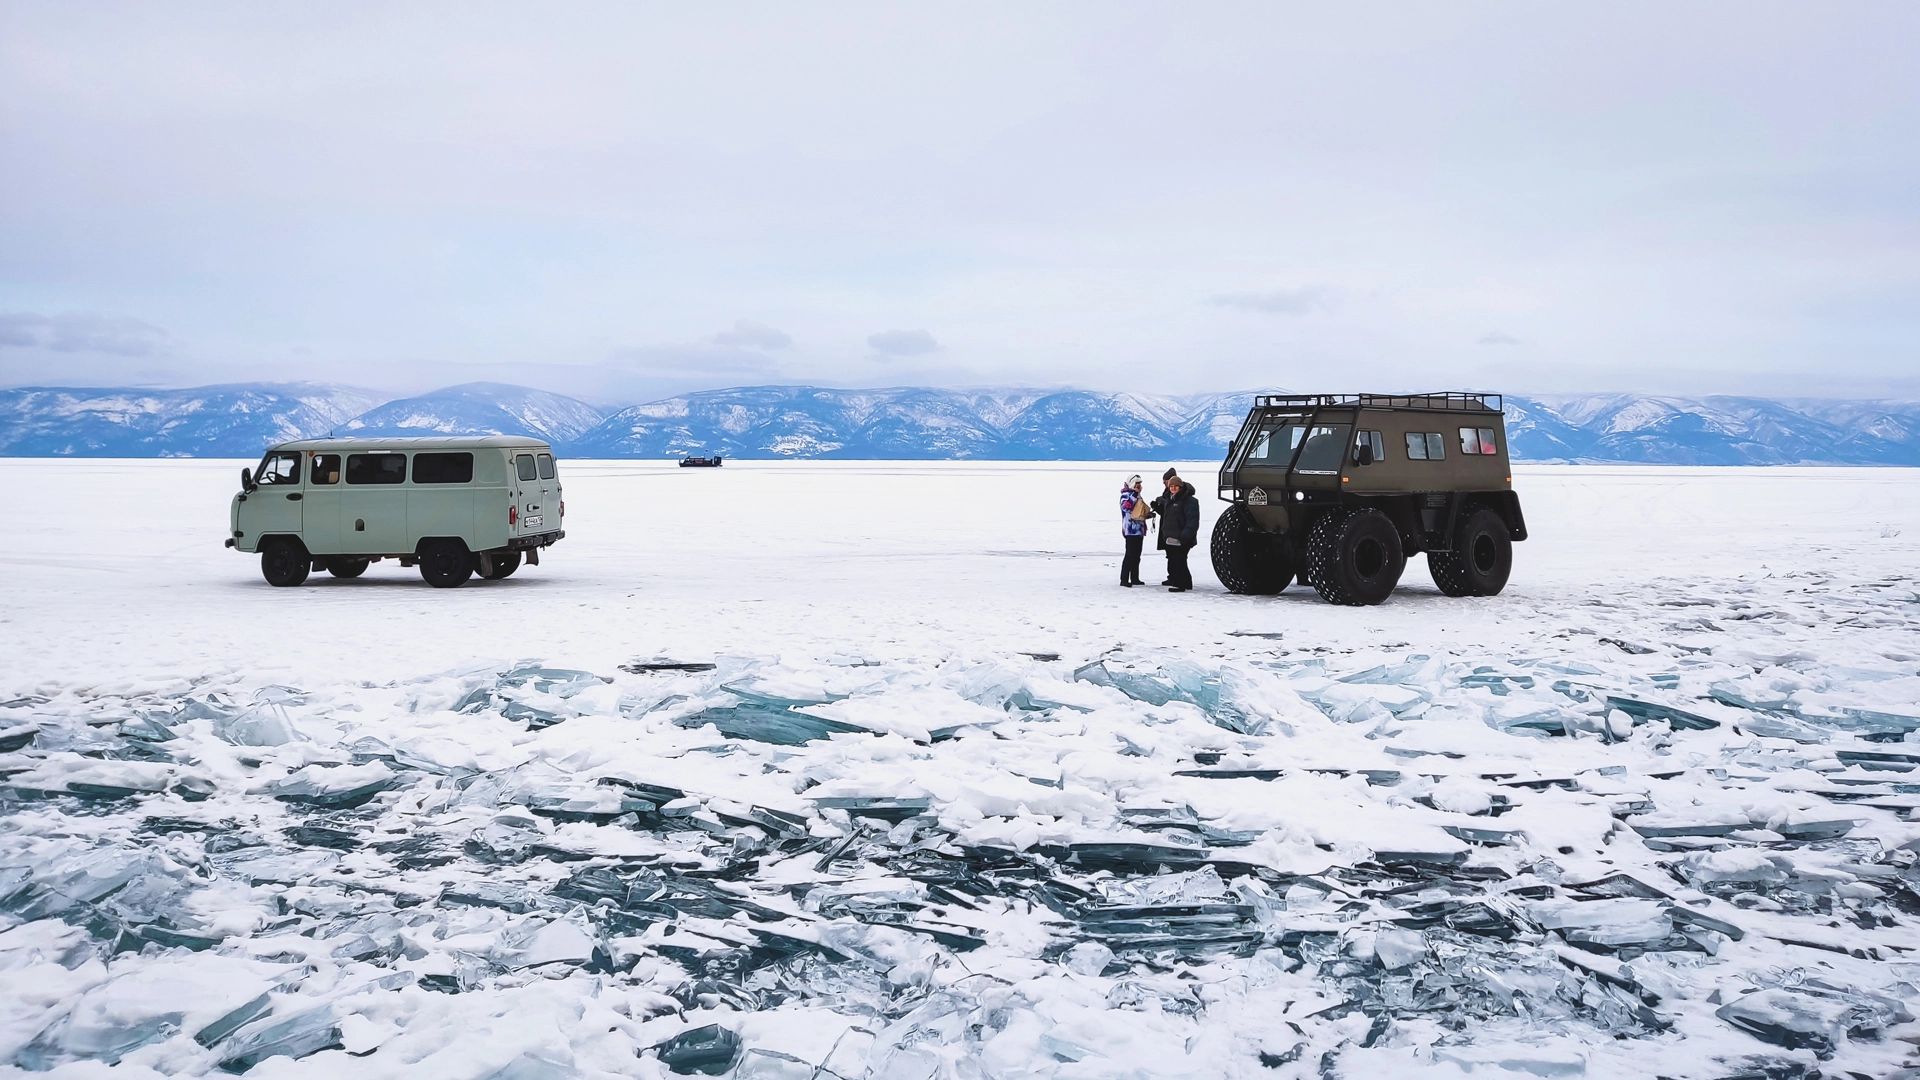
point(1425, 462)
point(349, 501)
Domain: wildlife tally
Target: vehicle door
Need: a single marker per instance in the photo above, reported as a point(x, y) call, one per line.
point(273, 507)
point(373, 504)
point(549, 491)
point(530, 495)
point(440, 498)
point(322, 503)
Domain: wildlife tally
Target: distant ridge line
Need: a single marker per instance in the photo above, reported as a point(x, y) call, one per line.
point(916, 423)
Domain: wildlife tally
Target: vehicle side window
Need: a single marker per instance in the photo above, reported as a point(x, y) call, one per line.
point(376, 468)
point(524, 463)
point(1486, 441)
point(546, 467)
point(1372, 440)
point(279, 469)
point(444, 468)
point(1469, 440)
point(326, 469)
point(1426, 446)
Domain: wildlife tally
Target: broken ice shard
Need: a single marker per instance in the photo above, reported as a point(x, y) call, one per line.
point(769, 719)
point(711, 1050)
point(1605, 923)
point(340, 787)
point(1213, 692)
point(264, 724)
point(643, 667)
point(1653, 710)
point(296, 1036)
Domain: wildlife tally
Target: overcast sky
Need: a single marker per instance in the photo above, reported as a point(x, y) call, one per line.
point(627, 200)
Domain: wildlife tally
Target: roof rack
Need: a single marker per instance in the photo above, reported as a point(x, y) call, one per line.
point(1441, 402)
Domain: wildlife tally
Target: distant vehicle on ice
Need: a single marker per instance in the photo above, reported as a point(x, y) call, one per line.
point(1337, 490)
point(452, 506)
point(713, 462)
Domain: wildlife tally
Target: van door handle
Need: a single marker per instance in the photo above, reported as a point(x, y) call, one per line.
point(293, 496)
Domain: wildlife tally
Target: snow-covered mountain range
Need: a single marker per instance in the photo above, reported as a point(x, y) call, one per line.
point(917, 423)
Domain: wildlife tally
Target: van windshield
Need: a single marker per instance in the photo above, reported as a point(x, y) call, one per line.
point(1274, 443)
point(282, 468)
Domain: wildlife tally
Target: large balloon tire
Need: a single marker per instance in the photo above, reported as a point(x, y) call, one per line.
point(1481, 559)
point(1246, 561)
point(1357, 557)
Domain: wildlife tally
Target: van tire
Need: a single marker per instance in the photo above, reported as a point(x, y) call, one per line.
point(284, 562)
point(347, 568)
point(502, 566)
point(1357, 557)
point(445, 564)
point(1481, 559)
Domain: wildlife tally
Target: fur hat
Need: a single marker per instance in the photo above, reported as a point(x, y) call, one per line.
point(1132, 480)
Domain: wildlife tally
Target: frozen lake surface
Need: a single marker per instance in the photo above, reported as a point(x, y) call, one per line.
point(936, 797)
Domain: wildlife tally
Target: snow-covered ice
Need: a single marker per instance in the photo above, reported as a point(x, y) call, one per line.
point(929, 795)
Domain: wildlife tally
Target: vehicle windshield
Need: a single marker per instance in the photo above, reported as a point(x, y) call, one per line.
point(1274, 442)
point(278, 468)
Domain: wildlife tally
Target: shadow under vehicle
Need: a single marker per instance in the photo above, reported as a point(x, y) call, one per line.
point(1336, 490)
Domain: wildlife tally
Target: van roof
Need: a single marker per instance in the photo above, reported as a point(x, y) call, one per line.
point(418, 442)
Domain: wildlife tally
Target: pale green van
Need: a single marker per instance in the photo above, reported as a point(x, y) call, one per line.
point(454, 506)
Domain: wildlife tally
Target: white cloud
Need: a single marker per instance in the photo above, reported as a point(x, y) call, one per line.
point(895, 343)
point(1303, 300)
point(111, 335)
point(747, 334)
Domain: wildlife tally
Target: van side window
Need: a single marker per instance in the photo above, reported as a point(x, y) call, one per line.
point(444, 468)
point(279, 469)
point(524, 463)
point(1426, 446)
point(326, 469)
point(1469, 440)
point(1372, 440)
point(1486, 441)
point(546, 466)
point(386, 468)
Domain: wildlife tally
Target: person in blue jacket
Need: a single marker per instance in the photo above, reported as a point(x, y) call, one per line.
point(1133, 529)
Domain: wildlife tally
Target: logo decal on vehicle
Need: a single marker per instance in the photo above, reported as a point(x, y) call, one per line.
point(1257, 497)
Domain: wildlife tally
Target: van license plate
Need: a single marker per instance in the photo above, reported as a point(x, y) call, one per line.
point(533, 522)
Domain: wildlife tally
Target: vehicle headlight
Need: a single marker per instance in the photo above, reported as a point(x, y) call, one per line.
point(1299, 496)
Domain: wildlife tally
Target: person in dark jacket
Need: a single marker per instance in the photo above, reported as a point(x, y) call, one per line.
point(1133, 529)
point(1179, 530)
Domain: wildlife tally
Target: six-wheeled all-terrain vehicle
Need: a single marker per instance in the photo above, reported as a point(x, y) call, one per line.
point(1336, 491)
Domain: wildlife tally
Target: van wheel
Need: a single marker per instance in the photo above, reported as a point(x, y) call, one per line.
point(1481, 559)
point(1247, 561)
point(347, 568)
point(1356, 557)
point(284, 562)
point(445, 564)
point(503, 566)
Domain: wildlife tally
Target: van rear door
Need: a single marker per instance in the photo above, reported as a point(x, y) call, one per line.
point(530, 495)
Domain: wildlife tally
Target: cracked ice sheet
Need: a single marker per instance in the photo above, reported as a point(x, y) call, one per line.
point(1829, 630)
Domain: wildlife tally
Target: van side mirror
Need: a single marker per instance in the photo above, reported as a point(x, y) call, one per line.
point(246, 479)
point(1232, 446)
point(1364, 455)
